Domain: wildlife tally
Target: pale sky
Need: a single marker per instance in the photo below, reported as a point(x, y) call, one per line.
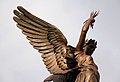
point(19, 62)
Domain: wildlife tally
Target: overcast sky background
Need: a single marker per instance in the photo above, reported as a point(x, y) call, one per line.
point(19, 62)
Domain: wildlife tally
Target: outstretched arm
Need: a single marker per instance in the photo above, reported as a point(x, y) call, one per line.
point(85, 28)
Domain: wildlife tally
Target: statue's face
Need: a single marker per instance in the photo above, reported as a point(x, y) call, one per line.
point(89, 49)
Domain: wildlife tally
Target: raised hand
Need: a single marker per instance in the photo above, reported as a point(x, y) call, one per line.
point(91, 20)
point(92, 16)
point(87, 24)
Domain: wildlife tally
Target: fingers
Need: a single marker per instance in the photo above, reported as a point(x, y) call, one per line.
point(94, 14)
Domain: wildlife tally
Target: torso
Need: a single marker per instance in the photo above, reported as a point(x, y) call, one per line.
point(85, 62)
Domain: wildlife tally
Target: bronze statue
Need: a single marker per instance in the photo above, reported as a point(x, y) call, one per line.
point(64, 62)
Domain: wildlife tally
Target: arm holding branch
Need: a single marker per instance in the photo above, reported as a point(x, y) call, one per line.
point(87, 23)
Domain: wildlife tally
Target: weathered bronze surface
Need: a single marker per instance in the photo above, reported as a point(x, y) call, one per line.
point(64, 62)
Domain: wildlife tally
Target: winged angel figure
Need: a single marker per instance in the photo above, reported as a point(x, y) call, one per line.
point(64, 62)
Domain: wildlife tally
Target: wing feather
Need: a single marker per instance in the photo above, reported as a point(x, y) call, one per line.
point(34, 35)
point(44, 37)
point(48, 59)
point(50, 62)
point(38, 40)
point(27, 30)
point(21, 16)
point(39, 44)
point(32, 17)
point(47, 55)
point(28, 26)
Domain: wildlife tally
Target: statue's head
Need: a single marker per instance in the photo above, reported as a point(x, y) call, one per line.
point(90, 46)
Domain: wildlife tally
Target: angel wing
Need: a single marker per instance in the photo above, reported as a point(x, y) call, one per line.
point(44, 37)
